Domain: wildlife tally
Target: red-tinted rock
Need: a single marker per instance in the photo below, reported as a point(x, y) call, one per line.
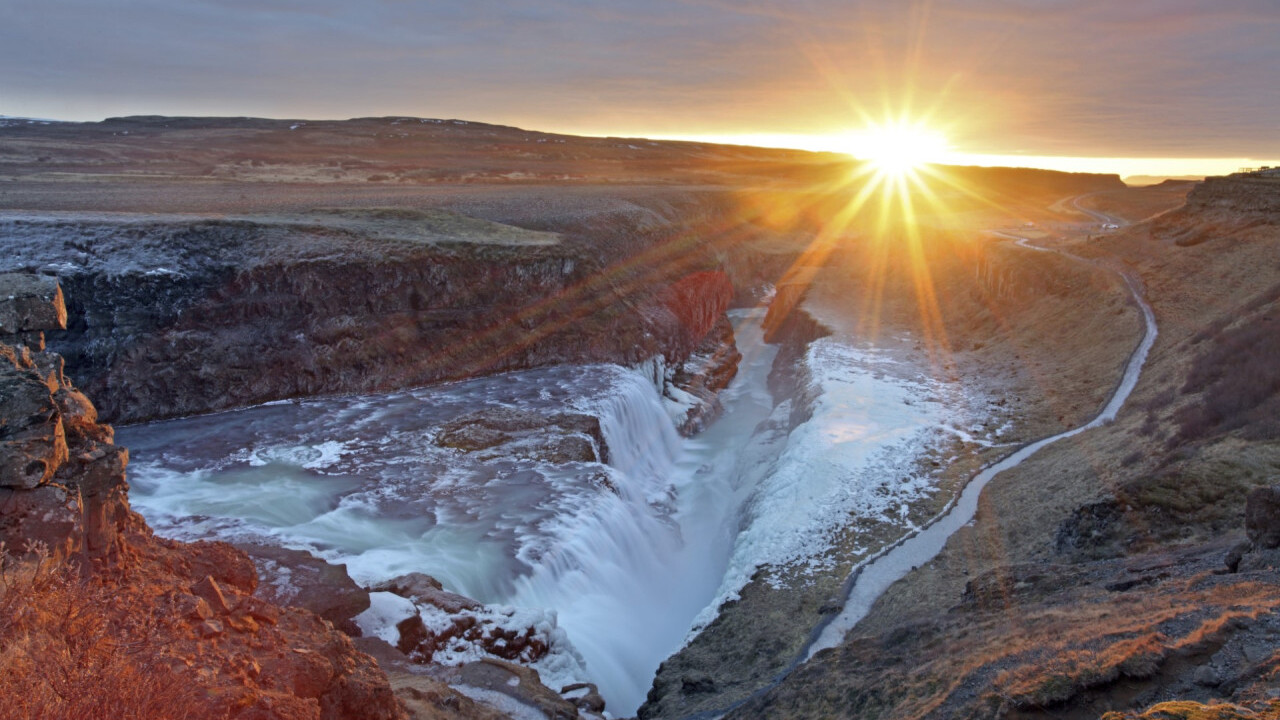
point(426, 590)
point(698, 300)
point(223, 563)
point(208, 590)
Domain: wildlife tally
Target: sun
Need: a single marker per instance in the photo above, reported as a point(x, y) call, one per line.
point(897, 148)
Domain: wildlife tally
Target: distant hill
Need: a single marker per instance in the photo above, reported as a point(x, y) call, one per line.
point(1143, 180)
point(411, 152)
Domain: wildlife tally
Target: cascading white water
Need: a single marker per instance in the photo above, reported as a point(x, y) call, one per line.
point(604, 573)
point(629, 585)
point(627, 566)
point(643, 444)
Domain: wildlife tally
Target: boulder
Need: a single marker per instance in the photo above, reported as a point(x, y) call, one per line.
point(447, 620)
point(30, 302)
point(207, 589)
point(426, 590)
point(227, 564)
point(427, 698)
point(299, 579)
point(518, 682)
point(553, 437)
point(585, 695)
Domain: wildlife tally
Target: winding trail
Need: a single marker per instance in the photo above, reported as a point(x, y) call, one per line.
point(1101, 217)
point(875, 575)
point(873, 578)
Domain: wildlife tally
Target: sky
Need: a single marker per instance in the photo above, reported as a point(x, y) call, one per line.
point(1158, 86)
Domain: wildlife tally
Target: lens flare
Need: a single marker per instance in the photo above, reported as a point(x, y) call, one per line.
point(897, 148)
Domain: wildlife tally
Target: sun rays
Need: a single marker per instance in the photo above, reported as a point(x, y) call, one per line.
point(897, 148)
point(888, 192)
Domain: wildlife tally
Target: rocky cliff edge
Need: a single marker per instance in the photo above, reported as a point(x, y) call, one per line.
point(100, 618)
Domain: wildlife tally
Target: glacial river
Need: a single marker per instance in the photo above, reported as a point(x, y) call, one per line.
point(625, 568)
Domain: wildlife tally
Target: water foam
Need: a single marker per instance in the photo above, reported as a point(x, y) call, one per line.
point(624, 559)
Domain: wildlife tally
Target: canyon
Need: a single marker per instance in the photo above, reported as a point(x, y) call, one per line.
point(564, 342)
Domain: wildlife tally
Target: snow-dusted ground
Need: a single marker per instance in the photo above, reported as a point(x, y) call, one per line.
point(855, 456)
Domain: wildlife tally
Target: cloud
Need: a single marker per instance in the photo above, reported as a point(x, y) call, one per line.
point(1145, 77)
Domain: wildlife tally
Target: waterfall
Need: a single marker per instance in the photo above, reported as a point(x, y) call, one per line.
point(626, 554)
point(604, 575)
point(643, 443)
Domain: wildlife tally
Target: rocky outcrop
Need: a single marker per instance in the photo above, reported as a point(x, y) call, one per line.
point(436, 643)
point(86, 578)
point(521, 684)
point(34, 304)
point(506, 432)
point(296, 578)
point(445, 623)
point(693, 386)
point(426, 590)
point(62, 482)
point(698, 301)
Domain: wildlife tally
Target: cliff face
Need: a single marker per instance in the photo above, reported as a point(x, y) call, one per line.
point(174, 317)
point(1221, 207)
point(99, 618)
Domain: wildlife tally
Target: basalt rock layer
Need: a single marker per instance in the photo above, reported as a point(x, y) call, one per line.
point(175, 316)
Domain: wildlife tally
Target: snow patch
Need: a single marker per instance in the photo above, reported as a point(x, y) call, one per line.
point(501, 702)
point(386, 610)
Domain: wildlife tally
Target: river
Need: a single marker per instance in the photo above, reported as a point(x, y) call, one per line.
point(625, 568)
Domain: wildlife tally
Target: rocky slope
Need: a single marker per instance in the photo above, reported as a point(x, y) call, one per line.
point(1131, 566)
point(100, 617)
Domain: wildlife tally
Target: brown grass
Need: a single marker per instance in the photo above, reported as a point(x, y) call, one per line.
point(1186, 710)
point(61, 657)
point(1079, 657)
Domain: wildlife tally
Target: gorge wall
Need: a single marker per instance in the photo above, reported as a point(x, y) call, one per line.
point(177, 316)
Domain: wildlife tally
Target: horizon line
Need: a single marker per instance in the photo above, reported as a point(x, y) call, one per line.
point(1137, 166)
